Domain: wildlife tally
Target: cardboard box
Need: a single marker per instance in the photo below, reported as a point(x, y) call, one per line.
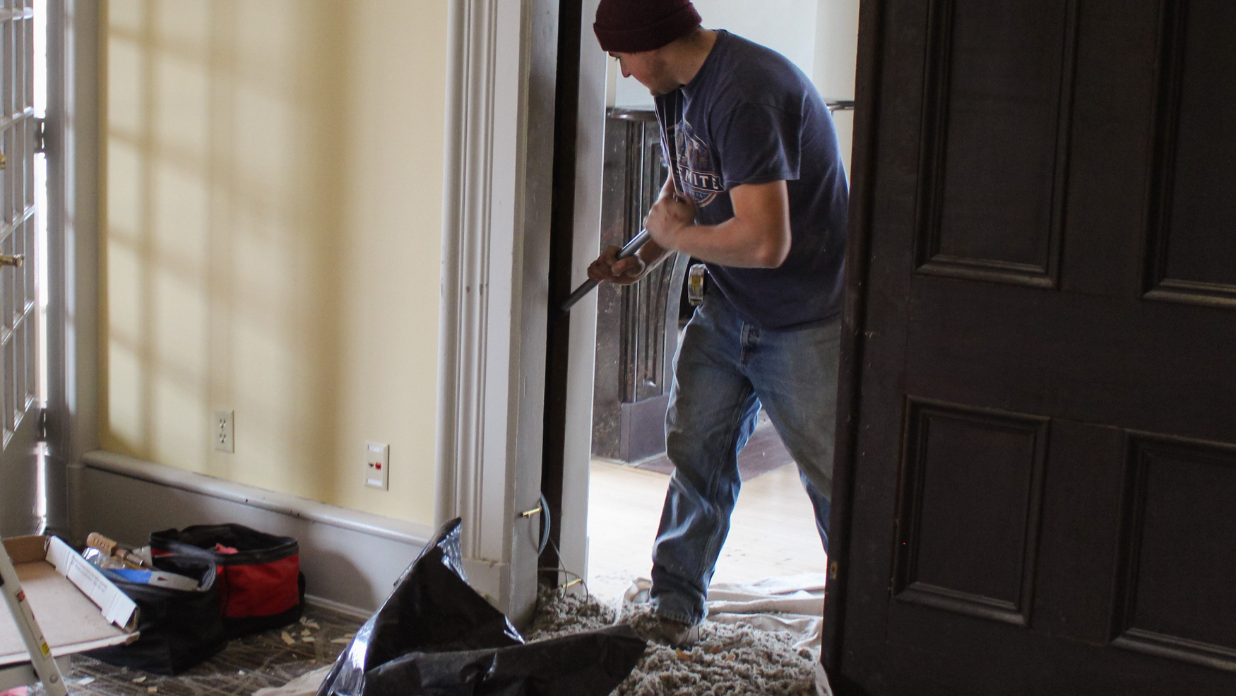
point(77, 608)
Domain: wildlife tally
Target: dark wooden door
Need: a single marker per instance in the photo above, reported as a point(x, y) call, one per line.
point(1037, 475)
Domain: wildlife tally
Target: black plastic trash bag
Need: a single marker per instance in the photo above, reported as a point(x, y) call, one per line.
point(431, 608)
point(582, 664)
point(436, 635)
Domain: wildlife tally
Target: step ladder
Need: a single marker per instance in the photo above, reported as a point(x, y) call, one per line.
point(45, 667)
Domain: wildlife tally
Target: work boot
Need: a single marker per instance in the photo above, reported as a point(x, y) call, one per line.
point(672, 633)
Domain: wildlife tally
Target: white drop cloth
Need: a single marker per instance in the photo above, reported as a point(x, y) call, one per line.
point(792, 603)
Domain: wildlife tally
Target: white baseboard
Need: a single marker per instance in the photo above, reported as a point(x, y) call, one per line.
point(356, 612)
point(351, 559)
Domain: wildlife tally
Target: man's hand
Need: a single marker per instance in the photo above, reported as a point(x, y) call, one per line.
point(607, 268)
point(668, 216)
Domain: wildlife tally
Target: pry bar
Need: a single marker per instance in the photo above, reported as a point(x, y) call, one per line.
point(586, 287)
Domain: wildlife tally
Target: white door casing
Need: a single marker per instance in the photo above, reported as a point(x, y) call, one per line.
point(73, 261)
point(582, 343)
point(495, 271)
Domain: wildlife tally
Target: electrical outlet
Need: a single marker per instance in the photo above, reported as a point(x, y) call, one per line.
point(221, 431)
point(377, 465)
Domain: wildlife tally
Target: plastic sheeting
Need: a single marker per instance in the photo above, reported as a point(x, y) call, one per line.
point(436, 635)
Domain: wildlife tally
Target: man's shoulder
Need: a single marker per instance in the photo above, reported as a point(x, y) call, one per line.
point(750, 73)
point(756, 55)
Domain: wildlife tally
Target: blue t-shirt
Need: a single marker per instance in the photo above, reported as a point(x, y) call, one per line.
point(751, 117)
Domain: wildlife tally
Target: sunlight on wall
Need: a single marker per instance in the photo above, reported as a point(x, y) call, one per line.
point(273, 207)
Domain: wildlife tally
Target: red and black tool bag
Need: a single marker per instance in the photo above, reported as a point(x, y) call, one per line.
point(259, 579)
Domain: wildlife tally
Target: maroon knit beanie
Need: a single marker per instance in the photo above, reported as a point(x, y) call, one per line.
point(635, 26)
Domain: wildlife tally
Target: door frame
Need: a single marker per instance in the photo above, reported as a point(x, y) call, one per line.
point(592, 97)
point(493, 320)
point(75, 71)
point(596, 92)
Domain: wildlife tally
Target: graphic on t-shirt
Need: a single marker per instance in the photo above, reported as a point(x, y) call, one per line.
point(696, 167)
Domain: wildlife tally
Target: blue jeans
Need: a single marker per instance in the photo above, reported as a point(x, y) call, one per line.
point(725, 369)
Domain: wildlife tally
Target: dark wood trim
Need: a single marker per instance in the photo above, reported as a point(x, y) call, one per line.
point(1193, 292)
point(987, 270)
point(1124, 592)
point(1178, 649)
point(858, 265)
point(1168, 77)
point(937, 597)
point(1064, 141)
point(562, 226)
point(933, 139)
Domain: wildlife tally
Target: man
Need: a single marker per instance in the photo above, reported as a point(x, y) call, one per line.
point(763, 202)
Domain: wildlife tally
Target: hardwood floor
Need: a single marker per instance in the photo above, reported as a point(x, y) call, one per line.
point(772, 531)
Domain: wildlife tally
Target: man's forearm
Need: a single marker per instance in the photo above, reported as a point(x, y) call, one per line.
point(651, 254)
point(757, 236)
point(730, 244)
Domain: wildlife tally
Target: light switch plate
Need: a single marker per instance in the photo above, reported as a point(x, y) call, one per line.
point(377, 465)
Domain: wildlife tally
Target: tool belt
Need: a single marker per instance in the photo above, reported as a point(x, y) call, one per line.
point(697, 283)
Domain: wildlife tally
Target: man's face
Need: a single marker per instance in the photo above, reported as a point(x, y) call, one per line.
point(649, 68)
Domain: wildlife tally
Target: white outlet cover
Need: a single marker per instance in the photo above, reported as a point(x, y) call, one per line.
point(222, 431)
point(378, 465)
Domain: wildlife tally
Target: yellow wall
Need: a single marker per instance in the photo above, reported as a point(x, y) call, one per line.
point(273, 216)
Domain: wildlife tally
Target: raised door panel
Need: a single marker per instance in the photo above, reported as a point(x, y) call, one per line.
point(995, 125)
point(971, 495)
point(1175, 596)
point(1192, 253)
